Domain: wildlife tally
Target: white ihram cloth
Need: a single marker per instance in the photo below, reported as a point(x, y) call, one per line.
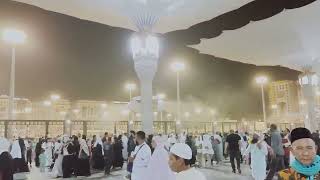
point(190, 174)
point(48, 152)
point(258, 160)
point(158, 168)
point(84, 147)
point(125, 146)
point(99, 141)
point(57, 168)
point(16, 150)
point(141, 161)
point(206, 145)
point(4, 145)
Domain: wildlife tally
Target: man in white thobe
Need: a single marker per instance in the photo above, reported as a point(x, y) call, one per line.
point(125, 146)
point(179, 162)
point(140, 158)
point(258, 150)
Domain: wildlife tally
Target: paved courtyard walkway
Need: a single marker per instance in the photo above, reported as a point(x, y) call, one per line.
point(221, 172)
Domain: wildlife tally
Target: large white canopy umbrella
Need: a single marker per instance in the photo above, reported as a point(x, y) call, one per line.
point(288, 39)
point(268, 32)
point(175, 14)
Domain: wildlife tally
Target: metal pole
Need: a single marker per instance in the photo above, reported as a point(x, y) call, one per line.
point(263, 104)
point(130, 97)
point(178, 97)
point(12, 83)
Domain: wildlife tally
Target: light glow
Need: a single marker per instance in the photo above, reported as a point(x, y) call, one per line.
point(55, 97)
point(178, 66)
point(130, 86)
point(13, 36)
point(262, 80)
point(47, 103)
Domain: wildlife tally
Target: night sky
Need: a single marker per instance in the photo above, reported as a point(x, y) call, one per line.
point(86, 60)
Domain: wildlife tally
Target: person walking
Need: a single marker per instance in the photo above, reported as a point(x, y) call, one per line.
point(191, 143)
point(117, 152)
point(217, 147)
point(108, 155)
point(130, 148)
point(179, 162)
point(29, 154)
point(140, 158)
point(38, 152)
point(258, 152)
point(277, 161)
point(6, 161)
point(158, 168)
point(233, 143)
point(82, 162)
point(18, 152)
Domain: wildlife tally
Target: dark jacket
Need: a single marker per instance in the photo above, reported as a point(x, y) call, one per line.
point(276, 143)
point(131, 145)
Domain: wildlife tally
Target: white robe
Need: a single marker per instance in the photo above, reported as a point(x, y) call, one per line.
point(140, 163)
point(48, 152)
point(190, 174)
point(57, 168)
point(182, 138)
point(172, 140)
point(4, 145)
point(16, 150)
point(258, 160)
point(158, 168)
point(125, 147)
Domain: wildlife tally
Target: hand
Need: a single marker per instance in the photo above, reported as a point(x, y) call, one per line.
point(130, 159)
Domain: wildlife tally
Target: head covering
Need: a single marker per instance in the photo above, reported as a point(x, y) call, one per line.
point(299, 133)
point(4, 145)
point(182, 150)
point(98, 141)
point(159, 162)
point(16, 150)
point(65, 138)
point(84, 146)
point(160, 141)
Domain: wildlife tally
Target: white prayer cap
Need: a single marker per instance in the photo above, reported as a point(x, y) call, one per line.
point(4, 145)
point(182, 150)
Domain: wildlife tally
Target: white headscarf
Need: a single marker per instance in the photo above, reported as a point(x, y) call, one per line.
point(16, 150)
point(84, 146)
point(158, 168)
point(99, 141)
point(4, 145)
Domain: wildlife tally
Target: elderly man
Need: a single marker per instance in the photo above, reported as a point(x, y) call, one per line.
point(306, 165)
point(179, 162)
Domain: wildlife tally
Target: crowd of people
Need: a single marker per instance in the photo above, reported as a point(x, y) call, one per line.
point(288, 155)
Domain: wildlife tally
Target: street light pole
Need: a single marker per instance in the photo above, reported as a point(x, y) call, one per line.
point(130, 87)
point(12, 84)
point(263, 103)
point(177, 67)
point(261, 80)
point(13, 37)
point(129, 116)
point(178, 97)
